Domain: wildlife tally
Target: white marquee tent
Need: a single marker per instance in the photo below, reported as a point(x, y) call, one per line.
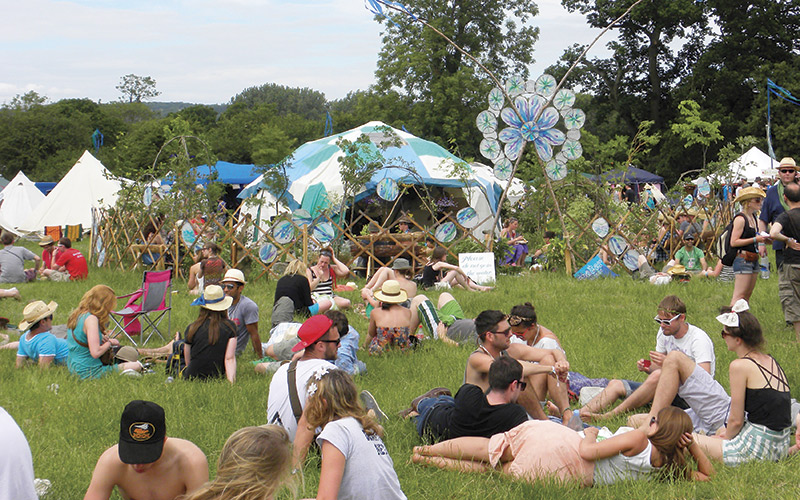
point(86, 186)
point(752, 164)
point(19, 199)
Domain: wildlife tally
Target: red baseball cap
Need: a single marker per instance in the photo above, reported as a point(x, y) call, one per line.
point(311, 331)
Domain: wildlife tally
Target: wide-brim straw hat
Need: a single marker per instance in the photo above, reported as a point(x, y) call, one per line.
point(127, 353)
point(234, 275)
point(788, 161)
point(47, 240)
point(36, 311)
point(750, 193)
point(213, 299)
point(677, 270)
point(391, 293)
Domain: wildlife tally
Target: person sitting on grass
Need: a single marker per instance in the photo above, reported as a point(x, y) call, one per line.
point(70, 264)
point(494, 341)
point(541, 450)
point(254, 464)
point(446, 322)
point(400, 272)
point(322, 277)
point(390, 324)
point(48, 245)
point(146, 464)
point(471, 412)
point(37, 344)
point(210, 348)
point(208, 270)
point(433, 274)
point(293, 295)
point(12, 261)
point(689, 256)
point(674, 334)
point(759, 422)
point(355, 462)
point(87, 342)
point(518, 243)
point(540, 255)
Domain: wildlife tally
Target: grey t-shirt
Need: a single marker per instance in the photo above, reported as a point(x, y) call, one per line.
point(12, 264)
point(368, 471)
point(243, 313)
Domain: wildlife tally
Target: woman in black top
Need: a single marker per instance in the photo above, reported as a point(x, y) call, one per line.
point(436, 270)
point(294, 284)
point(210, 346)
point(745, 238)
point(759, 422)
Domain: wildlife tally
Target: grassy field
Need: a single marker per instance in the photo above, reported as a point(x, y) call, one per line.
point(605, 326)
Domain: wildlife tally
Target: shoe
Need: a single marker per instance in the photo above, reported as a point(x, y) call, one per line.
point(433, 393)
point(372, 405)
point(130, 372)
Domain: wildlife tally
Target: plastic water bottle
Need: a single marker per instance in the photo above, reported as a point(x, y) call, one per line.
point(764, 262)
point(575, 423)
point(169, 380)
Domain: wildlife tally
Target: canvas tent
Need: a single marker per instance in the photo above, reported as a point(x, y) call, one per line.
point(17, 201)
point(754, 163)
point(633, 175)
point(86, 186)
point(314, 170)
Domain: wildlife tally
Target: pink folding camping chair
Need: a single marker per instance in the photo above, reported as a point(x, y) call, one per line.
point(154, 302)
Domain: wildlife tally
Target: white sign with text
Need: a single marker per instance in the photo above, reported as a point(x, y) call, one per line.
point(478, 266)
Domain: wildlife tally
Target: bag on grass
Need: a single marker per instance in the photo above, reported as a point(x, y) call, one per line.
point(176, 362)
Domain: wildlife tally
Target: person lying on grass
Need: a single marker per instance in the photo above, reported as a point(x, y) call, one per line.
point(254, 465)
point(541, 450)
point(36, 343)
point(146, 464)
point(757, 415)
point(494, 334)
point(438, 273)
point(355, 462)
point(446, 322)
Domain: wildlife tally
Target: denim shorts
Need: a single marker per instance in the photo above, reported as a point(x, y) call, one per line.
point(741, 266)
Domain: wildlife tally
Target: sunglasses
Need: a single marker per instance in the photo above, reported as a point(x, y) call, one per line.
point(507, 331)
point(787, 170)
point(229, 286)
point(337, 341)
point(522, 385)
point(725, 334)
point(666, 321)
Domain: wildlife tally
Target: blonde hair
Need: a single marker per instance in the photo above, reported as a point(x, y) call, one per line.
point(336, 397)
point(254, 465)
point(98, 301)
point(296, 266)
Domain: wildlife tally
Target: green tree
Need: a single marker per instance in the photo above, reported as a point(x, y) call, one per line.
point(136, 88)
point(27, 100)
point(694, 130)
point(308, 103)
point(441, 86)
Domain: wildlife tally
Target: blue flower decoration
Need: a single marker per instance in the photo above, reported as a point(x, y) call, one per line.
point(541, 132)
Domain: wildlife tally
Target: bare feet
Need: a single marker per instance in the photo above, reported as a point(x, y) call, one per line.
point(588, 416)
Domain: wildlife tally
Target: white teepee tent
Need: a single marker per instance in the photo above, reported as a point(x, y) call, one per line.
point(86, 186)
point(19, 199)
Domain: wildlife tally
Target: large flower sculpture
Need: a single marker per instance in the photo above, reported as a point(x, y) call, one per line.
point(530, 121)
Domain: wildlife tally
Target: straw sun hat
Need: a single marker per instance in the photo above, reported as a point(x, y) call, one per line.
point(214, 299)
point(36, 311)
point(391, 293)
point(749, 193)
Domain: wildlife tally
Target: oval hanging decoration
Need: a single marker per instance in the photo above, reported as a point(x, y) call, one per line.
point(301, 217)
point(617, 245)
point(187, 234)
point(267, 253)
point(98, 244)
point(555, 170)
point(446, 232)
point(283, 232)
point(323, 232)
point(467, 217)
point(147, 196)
point(387, 189)
point(631, 260)
point(600, 227)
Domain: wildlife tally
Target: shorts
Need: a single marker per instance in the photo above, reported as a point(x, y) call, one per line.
point(708, 401)
point(429, 316)
point(462, 331)
point(58, 276)
point(741, 266)
point(789, 291)
point(756, 442)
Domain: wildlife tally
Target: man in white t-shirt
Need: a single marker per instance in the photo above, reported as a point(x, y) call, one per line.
point(320, 339)
point(675, 334)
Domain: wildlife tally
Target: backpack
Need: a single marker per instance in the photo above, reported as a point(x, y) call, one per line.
point(176, 362)
point(723, 244)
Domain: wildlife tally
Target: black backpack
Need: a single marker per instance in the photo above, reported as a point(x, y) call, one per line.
point(723, 244)
point(176, 362)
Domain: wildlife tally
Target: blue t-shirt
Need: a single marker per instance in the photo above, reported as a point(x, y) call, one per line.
point(770, 210)
point(43, 344)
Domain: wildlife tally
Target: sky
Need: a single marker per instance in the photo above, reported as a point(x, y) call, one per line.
point(207, 51)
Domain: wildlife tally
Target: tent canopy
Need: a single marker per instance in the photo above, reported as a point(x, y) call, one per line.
point(86, 186)
point(754, 163)
point(225, 172)
point(19, 199)
point(633, 175)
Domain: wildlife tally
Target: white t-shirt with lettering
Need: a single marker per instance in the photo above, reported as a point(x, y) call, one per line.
point(696, 344)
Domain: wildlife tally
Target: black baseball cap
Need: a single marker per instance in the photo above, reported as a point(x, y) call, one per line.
point(141, 432)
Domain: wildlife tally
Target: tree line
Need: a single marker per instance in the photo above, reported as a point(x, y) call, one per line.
point(685, 85)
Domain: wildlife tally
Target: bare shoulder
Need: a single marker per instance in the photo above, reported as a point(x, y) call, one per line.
point(187, 451)
point(109, 463)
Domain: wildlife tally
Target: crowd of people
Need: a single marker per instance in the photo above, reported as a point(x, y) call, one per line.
point(511, 414)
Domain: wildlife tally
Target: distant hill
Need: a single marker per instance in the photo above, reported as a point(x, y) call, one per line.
point(165, 108)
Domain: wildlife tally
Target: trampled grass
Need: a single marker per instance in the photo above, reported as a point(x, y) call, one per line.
point(605, 327)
